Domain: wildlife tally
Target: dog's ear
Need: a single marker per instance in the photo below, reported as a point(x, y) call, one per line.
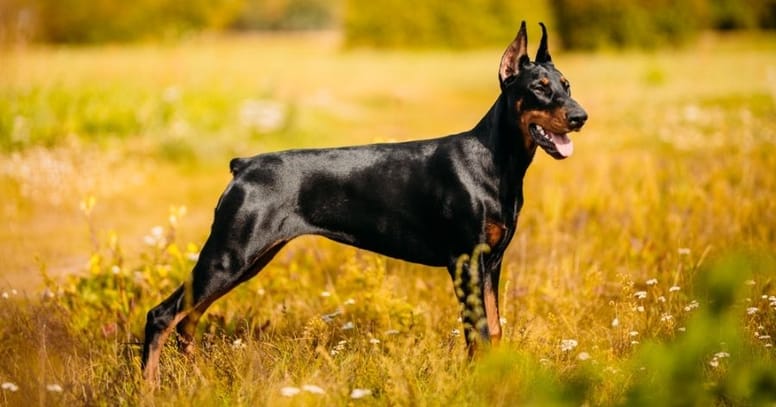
point(543, 54)
point(515, 57)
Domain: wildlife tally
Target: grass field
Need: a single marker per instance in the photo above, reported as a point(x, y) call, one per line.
point(643, 271)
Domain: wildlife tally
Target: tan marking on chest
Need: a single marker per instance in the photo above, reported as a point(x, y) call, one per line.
point(494, 233)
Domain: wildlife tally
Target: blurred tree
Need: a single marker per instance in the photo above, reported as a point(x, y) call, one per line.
point(589, 24)
point(286, 15)
point(582, 24)
point(113, 20)
point(427, 23)
point(746, 14)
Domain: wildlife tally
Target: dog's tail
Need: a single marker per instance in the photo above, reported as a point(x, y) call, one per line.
point(237, 165)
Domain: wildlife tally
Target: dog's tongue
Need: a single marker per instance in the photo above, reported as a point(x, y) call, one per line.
point(563, 144)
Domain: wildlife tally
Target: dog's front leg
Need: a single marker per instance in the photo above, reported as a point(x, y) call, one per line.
point(490, 276)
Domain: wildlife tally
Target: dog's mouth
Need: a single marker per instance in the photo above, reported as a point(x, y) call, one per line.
point(559, 146)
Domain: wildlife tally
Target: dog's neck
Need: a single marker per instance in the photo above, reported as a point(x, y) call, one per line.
point(499, 131)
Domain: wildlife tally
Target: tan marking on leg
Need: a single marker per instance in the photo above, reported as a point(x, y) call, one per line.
point(151, 372)
point(491, 312)
point(186, 338)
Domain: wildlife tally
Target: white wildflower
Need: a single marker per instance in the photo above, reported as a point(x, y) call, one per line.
point(568, 344)
point(47, 294)
point(55, 388)
point(374, 341)
point(721, 355)
point(339, 347)
point(157, 231)
point(9, 386)
point(752, 310)
point(652, 281)
point(615, 322)
point(350, 301)
point(674, 289)
point(455, 332)
point(311, 388)
point(325, 294)
point(502, 321)
point(392, 332)
point(640, 308)
point(262, 115)
point(633, 333)
point(661, 299)
point(666, 317)
point(238, 344)
point(714, 362)
point(348, 326)
point(640, 294)
point(691, 306)
point(171, 94)
point(156, 238)
point(360, 393)
point(583, 356)
point(289, 391)
point(330, 317)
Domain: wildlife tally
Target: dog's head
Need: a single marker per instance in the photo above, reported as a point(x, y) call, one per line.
point(540, 96)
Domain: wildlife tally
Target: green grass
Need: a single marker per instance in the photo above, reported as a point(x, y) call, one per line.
point(650, 248)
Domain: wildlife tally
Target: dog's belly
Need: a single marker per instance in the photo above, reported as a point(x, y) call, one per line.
point(399, 218)
point(397, 223)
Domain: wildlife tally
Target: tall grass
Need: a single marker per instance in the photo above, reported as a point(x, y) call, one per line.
point(641, 274)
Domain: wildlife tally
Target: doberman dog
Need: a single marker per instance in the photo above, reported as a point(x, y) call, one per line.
point(428, 202)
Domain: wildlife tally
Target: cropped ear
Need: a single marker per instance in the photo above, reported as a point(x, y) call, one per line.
point(514, 57)
point(543, 55)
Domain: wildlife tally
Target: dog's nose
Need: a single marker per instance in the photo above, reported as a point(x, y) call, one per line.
point(576, 119)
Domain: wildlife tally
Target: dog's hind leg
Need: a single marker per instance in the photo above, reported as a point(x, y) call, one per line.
point(246, 234)
point(213, 276)
point(187, 326)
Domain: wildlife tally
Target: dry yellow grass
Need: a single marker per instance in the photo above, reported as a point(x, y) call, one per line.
point(609, 280)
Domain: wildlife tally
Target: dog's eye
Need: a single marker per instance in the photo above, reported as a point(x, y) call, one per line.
point(542, 90)
point(566, 86)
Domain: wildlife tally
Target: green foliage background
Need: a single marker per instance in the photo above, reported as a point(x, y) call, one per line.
point(466, 23)
point(583, 24)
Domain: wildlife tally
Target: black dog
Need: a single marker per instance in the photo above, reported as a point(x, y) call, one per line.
point(428, 202)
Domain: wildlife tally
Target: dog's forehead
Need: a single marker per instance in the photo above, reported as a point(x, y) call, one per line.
point(547, 70)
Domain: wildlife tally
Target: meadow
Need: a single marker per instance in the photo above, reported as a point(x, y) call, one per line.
point(643, 271)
